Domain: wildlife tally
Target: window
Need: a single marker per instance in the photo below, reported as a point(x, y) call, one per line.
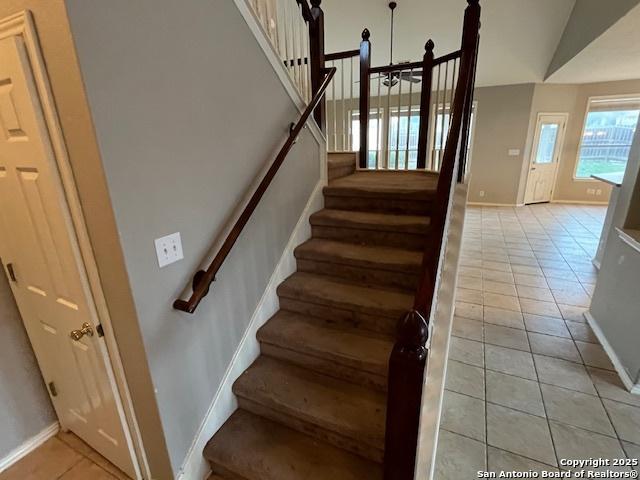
point(403, 141)
point(607, 136)
point(375, 142)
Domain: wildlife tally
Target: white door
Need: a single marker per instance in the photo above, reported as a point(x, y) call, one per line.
point(41, 257)
point(545, 157)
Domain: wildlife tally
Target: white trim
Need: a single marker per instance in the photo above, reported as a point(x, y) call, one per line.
point(276, 63)
point(195, 467)
point(628, 239)
point(22, 24)
point(29, 446)
point(617, 364)
point(489, 204)
point(578, 202)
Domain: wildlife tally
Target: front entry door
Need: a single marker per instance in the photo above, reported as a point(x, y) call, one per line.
point(41, 257)
point(545, 157)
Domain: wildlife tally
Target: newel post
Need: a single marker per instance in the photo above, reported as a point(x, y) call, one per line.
point(365, 65)
point(404, 397)
point(470, 40)
point(425, 104)
point(316, 54)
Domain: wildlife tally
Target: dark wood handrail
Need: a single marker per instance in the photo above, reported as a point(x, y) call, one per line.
point(341, 55)
point(400, 67)
point(203, 279)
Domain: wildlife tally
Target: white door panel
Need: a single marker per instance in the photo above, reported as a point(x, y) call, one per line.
point(50, 287)
point(545, 157)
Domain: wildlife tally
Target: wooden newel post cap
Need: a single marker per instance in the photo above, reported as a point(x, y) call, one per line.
point(470, 2)
point(316, 3)
point(412, 331)
point(366, 34)
point(429, 45)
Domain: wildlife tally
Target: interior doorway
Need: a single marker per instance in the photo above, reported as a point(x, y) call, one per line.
point(44, 261)
point(545, 157)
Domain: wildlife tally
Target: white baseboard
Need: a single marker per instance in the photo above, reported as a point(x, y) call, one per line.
point(617, 364)
point(489, 204)
point(195, 467)
point(579, 202)
point(28, 446)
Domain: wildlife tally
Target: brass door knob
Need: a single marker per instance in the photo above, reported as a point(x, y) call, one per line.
point(86, 329)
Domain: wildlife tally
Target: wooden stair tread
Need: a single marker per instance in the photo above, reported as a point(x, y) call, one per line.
point(400, 185)
point(336, 160)
point(371, 221)
point(378, 257)
point(345, 346)
point(254, 448)
point(322, 290)
point(334, 406)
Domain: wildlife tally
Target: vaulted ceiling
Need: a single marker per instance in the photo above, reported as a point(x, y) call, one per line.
point(522, 41)
point(518, 37)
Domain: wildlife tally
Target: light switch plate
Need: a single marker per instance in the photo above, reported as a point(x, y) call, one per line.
point(514, 152)
point(169, 249)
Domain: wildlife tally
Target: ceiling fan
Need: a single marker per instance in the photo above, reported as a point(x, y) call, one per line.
point(392, 78)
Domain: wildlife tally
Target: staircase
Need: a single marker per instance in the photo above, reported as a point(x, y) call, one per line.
point(312, 406)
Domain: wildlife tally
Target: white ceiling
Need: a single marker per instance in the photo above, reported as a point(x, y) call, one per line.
point(518, 37)
point(614, 55)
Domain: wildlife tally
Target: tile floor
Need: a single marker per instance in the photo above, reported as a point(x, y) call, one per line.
point(63, 457)
point(527, 382)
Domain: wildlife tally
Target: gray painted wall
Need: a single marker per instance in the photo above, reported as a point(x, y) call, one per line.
point(187, 110)
point(589, 19)
point(25, 407)
point(615, 303)
point(502, 123)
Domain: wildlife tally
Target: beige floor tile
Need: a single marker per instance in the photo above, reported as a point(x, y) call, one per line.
point(530, 280)
point(559, 283)
point(577, 409)
point(563, 373)
point(538, 307)
point(496, 276)
point(514, 392)
point(463, 415)
point(86, 470)
point(576, 443)
point(499, 287)
point(535, 293)
point(626, 420)
point(466, 379)
point(512, 362)
point(473, 283)
point(594, 355)
point(505, 302)
point(523, 260)
point(554, 347)
point(467, 328)
point(503, 461)
point(469, 296)
point(546, 325)
point(459, 458)
point(581, 332)
point(499, 266)
point(467, 260)
point(572, 313)
point(47, 462)
point(505, 429)
point(633, 452)
point(506, 318)
point(506, 337)
point(466, 351)
point(610, 386)
point(81, 447)
point(527, 270)
point(470, 271)
point(578, 298)
point(469, 310)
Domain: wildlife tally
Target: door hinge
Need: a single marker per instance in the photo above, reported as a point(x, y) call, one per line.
point(12, 273)
point(53, 389)
point(100, 330)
